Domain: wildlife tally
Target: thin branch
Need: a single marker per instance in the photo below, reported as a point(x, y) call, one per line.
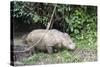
point(49, 23)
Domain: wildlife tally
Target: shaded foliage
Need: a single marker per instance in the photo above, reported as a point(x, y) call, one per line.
point(68, 18)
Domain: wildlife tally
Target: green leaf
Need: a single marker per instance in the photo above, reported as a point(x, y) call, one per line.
point(36, 18)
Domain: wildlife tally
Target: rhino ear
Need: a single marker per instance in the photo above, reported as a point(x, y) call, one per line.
point(66, 35)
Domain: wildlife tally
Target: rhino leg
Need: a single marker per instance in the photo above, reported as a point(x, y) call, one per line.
point(49, 49)
point(32, 51)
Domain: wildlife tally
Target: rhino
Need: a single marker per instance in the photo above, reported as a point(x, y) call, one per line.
point(48, 40)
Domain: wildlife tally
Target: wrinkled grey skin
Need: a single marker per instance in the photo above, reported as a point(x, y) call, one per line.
point(50, 39)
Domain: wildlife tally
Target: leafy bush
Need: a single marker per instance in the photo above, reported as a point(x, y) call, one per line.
point(74, 19)
point(81, 20)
